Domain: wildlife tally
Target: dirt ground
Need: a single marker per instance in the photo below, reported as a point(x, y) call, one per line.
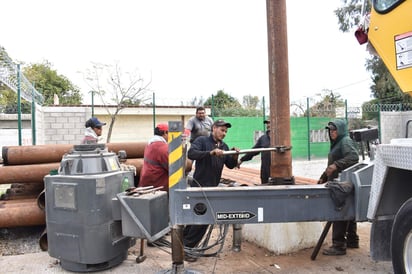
point(253, 259)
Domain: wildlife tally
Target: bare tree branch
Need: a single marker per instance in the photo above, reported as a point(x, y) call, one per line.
point(119, 91)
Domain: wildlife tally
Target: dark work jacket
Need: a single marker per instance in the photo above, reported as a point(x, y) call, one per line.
point(262, 142)
point(208, 168)
point(343, 152)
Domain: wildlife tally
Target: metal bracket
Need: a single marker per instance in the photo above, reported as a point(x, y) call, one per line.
point(281, 181)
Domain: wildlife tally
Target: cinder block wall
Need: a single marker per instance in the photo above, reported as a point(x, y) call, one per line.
point(64, 125)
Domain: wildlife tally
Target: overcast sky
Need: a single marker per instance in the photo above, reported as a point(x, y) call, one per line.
point(188, 48)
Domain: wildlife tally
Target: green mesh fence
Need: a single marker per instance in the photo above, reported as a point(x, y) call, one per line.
point(306, 144)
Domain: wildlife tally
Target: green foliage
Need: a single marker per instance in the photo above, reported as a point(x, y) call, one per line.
point(223, 104)
point(8, 102)
point(49, 82)
point(385, 88)
point(367, 114)
point(250, 102)
point(327, 106)
point(349, 14)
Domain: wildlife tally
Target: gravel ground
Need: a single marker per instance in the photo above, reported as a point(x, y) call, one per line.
point(20, 240)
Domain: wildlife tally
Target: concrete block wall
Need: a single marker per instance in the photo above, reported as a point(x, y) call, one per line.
point(64, 125)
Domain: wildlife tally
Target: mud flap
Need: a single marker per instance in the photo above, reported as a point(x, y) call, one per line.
point(380, 240)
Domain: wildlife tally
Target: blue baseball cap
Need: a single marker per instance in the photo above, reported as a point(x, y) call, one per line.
point(94, 122)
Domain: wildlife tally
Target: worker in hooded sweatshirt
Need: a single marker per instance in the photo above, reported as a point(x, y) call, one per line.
point(342, 154)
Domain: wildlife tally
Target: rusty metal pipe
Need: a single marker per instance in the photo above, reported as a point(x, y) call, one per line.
point(21, 214)
point(9, 197)
point(25, 173)
point(133, 149)
point(41, 154)
point(281, 165)
point(15, 203)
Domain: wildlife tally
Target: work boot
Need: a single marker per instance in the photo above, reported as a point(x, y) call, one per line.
point(352, 244)
point(334, 251)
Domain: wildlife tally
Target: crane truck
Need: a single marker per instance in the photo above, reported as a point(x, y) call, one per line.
point(389, 34)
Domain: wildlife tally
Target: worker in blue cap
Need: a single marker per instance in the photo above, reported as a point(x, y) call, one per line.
point(93, 131)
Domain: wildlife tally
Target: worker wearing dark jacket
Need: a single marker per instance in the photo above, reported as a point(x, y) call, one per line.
point(265, 161)
point(208, 167)
point(208, 152)
point(342, 155)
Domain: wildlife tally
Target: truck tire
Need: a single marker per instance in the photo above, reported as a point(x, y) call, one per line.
point(401, 239)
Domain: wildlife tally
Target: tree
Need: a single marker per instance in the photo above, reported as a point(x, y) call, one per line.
point(250, 102)
point(45, 80)
point(116, 89)
point(385, 87)
point(350, 14)
point(49, 82)
point(327, 106)
point(222, 104)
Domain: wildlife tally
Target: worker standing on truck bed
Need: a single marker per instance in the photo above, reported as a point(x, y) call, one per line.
point(342, 154)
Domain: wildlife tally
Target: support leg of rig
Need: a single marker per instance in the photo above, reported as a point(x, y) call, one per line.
point(237, 237)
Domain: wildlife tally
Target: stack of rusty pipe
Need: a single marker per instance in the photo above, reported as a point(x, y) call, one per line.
point(24, 168)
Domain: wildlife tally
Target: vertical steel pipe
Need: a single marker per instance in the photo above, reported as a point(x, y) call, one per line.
point(279, 87)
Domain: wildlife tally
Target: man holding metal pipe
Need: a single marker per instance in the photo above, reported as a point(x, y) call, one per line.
point(208, 151)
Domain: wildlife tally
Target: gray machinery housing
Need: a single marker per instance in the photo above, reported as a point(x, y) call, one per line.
point(81, 230)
